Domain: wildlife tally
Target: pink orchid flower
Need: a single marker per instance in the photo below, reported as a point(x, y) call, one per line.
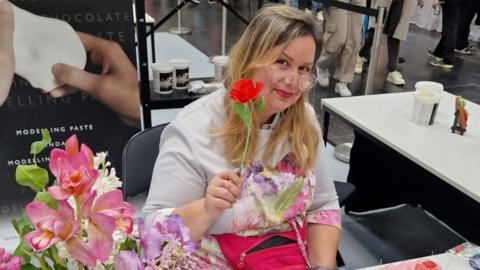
point(53, 226)
point(107, 213)
point(9, 262)
point(73, 170)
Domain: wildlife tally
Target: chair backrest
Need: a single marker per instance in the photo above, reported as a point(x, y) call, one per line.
point(138, 160)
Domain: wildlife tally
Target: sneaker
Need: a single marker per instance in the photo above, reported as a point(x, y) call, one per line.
point(342, 89)
point(465, 50)
point(323, 77)
point(441, 64)
point(320, 16)
point(435, 58)
point(359, 65)
point(396, 78)
point(196, 2)
point(211, 2)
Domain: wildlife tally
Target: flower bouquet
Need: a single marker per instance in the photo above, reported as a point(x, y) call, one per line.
point(82, 222)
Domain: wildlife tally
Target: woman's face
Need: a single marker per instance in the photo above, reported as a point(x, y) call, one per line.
point(285, 79)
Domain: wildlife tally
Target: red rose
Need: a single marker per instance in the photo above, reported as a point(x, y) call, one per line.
point(244, 91)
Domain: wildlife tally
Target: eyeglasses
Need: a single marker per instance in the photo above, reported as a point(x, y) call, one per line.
point(302, 80)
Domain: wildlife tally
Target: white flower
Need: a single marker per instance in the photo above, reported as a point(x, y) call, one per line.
point(107, 182)
point(99, 159)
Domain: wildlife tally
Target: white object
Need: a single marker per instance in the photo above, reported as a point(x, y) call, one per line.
point(219, 65)
point(359, 65)
point(180, 73)
point(446, 261)
point(41, 42)
point(342, 89)
point(396, 78)
point(386, 117)
point(200, 87)
point(162, 78)
point(426, 100)
point(323, 77)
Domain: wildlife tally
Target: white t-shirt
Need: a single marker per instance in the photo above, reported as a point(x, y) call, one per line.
point(189, 157)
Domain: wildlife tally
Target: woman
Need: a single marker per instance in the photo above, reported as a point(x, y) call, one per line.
point(286, 181)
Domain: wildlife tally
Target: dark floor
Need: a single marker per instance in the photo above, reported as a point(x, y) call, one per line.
point(205, 20)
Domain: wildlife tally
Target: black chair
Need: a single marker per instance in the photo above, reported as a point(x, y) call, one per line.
point(138, 159)
point(344, 191)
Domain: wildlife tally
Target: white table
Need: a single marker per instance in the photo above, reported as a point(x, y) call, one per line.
point(451, 157)
point(427, 165)
point(446, 261)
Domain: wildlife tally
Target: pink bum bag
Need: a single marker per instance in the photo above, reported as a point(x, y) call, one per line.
point(291, 256)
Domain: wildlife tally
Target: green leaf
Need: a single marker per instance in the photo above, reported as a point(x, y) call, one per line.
point(22, 225)
point(43, 196)
point(39, 146)
point(32, 176)
point(24, 251)
point(28, 266)
point(260, 104)
point(286, 199)
point(243, 113)
point(129, 244)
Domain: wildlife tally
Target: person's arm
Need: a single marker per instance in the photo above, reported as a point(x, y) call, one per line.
point(178, 182)
point(7, 58)
point(323, 216)
point(116, 86)
point(222, 192)
point(322, 245)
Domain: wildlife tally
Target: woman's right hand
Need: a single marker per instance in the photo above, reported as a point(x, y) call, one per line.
point(223, 190)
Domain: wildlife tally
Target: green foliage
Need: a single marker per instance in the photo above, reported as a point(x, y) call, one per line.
point(43, 196)
point(129, 244)
point(244, 114)
point(32, 176)
point(22, 226)
point(39, 146)
point(286, 199)
point(260, 104)
point(28, 266)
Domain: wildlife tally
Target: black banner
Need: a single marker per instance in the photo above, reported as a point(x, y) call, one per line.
point(27, 109)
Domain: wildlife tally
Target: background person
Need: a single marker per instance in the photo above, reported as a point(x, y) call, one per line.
point(396, 29)
point(341, 42)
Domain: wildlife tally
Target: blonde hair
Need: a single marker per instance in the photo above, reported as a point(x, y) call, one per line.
point(265, 38)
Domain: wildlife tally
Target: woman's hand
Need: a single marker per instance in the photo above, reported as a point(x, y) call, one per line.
point(435, 3)
point(222, 192)
point(7, 58)
point(116, 86)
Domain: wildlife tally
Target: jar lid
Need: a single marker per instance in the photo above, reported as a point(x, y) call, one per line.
point(162, 67)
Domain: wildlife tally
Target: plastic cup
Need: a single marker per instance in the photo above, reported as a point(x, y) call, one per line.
point(220, 64)
point(427, 97)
